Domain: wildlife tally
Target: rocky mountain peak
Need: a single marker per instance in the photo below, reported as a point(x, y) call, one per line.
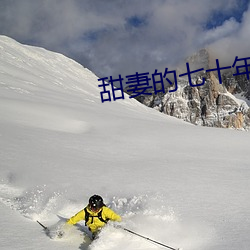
point(215, 104)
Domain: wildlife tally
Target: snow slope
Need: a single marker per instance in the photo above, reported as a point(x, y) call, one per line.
point(176, 183)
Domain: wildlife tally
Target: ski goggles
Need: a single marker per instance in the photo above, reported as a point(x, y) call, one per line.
point(94, 208)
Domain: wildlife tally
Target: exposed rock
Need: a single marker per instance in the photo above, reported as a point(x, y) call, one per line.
point(212, 104)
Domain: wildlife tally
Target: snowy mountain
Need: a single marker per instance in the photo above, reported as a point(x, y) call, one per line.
point(182, 185)
point(214, 104)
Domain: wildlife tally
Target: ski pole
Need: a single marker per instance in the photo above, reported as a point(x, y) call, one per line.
point(45, 228)
point(146, 238)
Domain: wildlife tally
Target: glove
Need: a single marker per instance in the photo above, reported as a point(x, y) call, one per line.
point(60, 234)
point(62, 229)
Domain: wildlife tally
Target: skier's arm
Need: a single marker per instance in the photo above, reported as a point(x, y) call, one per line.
point(77, 217)
point(110, 214)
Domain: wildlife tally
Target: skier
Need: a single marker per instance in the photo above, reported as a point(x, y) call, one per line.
point(95, 214)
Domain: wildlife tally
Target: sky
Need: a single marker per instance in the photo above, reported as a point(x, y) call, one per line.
point(115, 37)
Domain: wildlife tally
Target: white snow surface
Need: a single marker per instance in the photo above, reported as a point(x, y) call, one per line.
point(182, 185)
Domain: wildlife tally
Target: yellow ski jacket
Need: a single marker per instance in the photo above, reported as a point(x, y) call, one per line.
point(94, 223)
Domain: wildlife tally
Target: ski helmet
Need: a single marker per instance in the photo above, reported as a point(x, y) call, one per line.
point(95, 202)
